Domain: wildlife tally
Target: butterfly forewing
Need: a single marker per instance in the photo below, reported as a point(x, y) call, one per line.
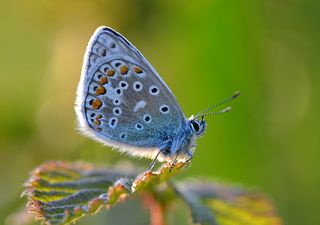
point(121, 100)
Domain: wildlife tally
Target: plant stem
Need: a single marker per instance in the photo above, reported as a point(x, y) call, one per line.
point(157, 212)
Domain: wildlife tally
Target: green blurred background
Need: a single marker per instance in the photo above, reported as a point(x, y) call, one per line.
point(204, 50)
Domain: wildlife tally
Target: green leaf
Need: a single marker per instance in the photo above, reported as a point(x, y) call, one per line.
point(62, 193)
point(216, 203)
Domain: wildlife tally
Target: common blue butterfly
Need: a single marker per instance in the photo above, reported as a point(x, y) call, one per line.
point(124, 103)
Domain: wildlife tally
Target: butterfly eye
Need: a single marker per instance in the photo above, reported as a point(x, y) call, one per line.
point(195, 125)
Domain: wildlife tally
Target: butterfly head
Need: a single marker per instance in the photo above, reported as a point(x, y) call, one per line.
point(198, 125)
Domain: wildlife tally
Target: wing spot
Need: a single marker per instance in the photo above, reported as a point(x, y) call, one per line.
point(104, 52)
point(116, 102)
point(147, 118)
point(137, 86)
point(104, 68)
point(96, 103)
point(113, 45)
point(119, 91)
point(123, 136)
point(123, 84)
point(103, 80)
point(141, 104)
point(154, 90)
point(97, 120)
point(164, 109)
point(138, 70)
point(113, 122)
point(117, 111)
point(100, 90)
point(117, 64)
point(124, 70)
point(138, 126)
point(110, 73)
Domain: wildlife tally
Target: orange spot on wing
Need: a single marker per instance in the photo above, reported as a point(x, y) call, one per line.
point(110, 73)
point(103, 80)
point(96, 104)
point(100, 90)
point(97, 120)
point(124, 70)
point(138, 70)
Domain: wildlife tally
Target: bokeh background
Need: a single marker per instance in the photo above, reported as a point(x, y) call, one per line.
point(204, 50)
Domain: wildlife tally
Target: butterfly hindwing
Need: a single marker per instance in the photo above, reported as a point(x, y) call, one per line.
point(122, 101)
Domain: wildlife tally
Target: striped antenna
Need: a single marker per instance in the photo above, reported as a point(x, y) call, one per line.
point(203, 112)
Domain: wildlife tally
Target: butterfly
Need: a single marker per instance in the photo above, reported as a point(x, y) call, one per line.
point(124, 103)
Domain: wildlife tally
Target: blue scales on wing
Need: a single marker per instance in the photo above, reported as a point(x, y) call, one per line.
point(122, 101)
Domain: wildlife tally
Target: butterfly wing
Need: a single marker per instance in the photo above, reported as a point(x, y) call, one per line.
point(122, 101)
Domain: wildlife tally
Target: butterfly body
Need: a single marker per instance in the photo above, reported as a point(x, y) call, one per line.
point(123, 102)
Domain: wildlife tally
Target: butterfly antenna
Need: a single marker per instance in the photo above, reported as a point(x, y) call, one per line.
point(228, 109)
point(236, 94)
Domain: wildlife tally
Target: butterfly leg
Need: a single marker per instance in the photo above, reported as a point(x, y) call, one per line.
point(174, 161)
point(190, 157)
point(153, 162)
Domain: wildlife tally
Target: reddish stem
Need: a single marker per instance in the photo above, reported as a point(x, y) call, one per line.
point(157, 214)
